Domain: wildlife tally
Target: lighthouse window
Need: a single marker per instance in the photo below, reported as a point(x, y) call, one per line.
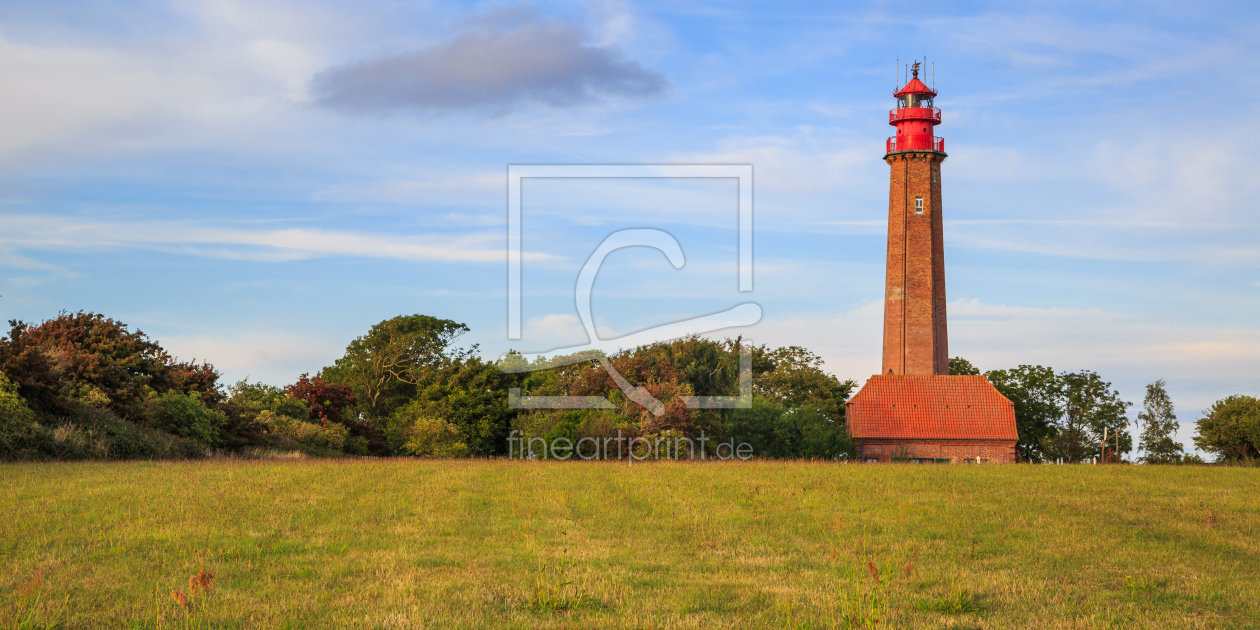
point(918, 205)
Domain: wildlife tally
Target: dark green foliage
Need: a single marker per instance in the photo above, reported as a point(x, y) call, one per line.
point(1062, 415)
point(277, 420)
point(778, 433)
point(91, 433)
point(959, 366)
point(471, 395)
point(1091, 410)
point(120, 439)
point(395, 360)
point(1036, 392)
point(1159, 425)
point(793, 378)
point(798, 408)
point(252, 398)
point(1231, 429)
point(187, 416)
point(20, 434)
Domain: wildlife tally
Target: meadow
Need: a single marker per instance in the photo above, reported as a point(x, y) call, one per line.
point(403, 543)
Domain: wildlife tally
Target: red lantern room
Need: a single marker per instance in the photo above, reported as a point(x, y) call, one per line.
point(915, 118)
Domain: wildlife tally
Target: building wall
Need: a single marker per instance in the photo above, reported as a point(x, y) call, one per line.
point(994, 451)
point(915, 338)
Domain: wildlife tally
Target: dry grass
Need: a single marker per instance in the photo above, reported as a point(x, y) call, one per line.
point(410, 544)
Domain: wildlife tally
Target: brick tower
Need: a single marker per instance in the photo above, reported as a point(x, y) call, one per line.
point(913, 410)
point(915, 340)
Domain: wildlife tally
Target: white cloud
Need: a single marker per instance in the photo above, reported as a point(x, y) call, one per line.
point(58, 93)
point(260, 245)
point(273, 357)
point(556, 330)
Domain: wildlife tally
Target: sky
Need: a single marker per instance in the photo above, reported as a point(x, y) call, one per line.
point(255, 183)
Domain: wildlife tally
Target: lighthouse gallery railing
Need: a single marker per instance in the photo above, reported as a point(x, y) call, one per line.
point(916, 143)
point(915, 113)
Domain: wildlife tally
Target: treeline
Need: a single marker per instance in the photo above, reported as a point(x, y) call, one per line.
point(1076, 416)
point(83, 386)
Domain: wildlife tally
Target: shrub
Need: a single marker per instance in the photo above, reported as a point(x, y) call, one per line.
point(185, 415)
point(417, 432)
point(88, 358)
point(122, 439)
point(254, 398)
point(356, 445)
point(324, 437)
point(20, 434)
point(806, 432)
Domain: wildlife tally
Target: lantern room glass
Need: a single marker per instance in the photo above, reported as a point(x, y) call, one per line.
point(914, 100)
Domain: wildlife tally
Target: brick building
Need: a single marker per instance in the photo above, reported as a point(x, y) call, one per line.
point(932, 419)
point(913, 409)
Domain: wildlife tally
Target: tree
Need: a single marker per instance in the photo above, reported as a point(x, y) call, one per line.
point(777, 433)
point(1062, 415)
point(795, 380)
point(1091, 409)
point(85, 357)
point(395, 359)
point(1231, 429)
point(334, 403)
point(959, 366)
point(1037, 393)
point(326, 401)
point(93, 372)
point(471, 396)
point(1159, 427)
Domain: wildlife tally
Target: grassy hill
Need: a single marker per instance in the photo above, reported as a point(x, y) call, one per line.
point(436, 544)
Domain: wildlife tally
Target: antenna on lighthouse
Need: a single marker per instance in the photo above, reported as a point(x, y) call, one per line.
point(896, 83)
point(933, 76)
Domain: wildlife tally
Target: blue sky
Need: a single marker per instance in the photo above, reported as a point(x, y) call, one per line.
point(255, 183)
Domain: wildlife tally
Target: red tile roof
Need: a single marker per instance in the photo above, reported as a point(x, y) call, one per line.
point(931, 407)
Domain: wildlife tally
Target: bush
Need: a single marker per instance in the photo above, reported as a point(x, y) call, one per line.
point(356, 445)
point(415, 431)
point(185, 415)
point(253, 398)
point(322, 437)
point(121, 439)
point(21, 436)
point(798, 433)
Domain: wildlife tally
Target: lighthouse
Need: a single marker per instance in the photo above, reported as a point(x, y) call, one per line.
point(913, 410)
point(915, 339)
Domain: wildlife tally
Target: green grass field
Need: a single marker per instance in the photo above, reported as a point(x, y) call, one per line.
point(438, 544)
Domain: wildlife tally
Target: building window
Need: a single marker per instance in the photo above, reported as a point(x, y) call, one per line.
point(918, 205)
